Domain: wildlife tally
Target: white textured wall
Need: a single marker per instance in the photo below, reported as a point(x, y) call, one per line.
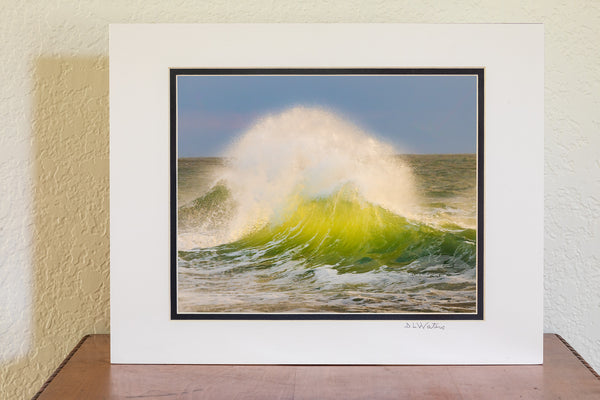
point(54, 158)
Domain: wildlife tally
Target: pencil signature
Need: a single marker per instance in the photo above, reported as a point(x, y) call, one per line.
point(424, 325)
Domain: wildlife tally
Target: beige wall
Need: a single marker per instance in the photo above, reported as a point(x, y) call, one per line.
point(54, 248)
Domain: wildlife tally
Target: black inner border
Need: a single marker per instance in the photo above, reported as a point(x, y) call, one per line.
point(174, 72)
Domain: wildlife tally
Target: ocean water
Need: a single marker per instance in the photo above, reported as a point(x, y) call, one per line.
point(307, 213)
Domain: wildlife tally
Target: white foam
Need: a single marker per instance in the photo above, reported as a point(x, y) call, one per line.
point(306, 152)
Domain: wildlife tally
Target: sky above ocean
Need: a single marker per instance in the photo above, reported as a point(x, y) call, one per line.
point(424, 114)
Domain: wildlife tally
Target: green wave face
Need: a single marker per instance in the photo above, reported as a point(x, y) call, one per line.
point(349, 234)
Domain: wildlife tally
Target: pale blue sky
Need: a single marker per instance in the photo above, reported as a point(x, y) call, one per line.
point(431, 114)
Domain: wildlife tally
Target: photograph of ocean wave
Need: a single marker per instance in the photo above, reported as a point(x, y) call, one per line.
point(327, 193)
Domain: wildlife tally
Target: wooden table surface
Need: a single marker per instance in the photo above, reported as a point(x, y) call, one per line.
point(88, 374)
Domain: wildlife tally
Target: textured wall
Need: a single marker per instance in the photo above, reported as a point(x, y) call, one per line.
point(54, 158)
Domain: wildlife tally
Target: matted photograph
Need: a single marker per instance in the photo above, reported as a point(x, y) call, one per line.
point(273, 205)
point(327, 193)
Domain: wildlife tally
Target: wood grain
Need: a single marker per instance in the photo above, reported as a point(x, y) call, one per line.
point(89, 375)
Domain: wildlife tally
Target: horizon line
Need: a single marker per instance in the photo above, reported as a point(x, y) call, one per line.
point(397, 154)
